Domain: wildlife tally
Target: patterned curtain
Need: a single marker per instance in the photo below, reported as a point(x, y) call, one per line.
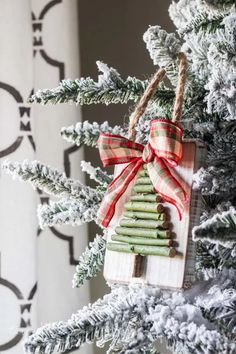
point(39, 47)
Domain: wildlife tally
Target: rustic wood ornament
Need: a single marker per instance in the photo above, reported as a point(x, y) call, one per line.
point(147, 242)
point(176, 272)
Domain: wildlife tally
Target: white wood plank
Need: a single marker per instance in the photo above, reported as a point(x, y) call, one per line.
point(163, 271)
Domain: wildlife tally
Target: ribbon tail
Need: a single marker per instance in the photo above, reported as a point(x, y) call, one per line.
point(115, 190)
point(167, 185)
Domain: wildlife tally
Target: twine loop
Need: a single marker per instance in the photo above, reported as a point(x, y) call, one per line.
point(150, 91)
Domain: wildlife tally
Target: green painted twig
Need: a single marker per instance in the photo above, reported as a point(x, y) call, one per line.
point(143, 180)
point(142, 240)
point(144, 206)
point(143, 250)
point(149, 224)
point(144, 215)
point(138, 232)
point(146, 198)
point(144, 188)
point(144, 173)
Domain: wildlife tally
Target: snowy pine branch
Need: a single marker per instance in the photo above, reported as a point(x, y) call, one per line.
point(88, 133)
point(209, 41)
point(93, 322)
point(206, 261)
point(219, 4)
point(141, 341)
point(222, 65)
point(195, 15)
point(202, 22)
point(222, 149)
point(219, 181)
point(96, 173)
point(186, 330)
point(211, 259)
point(221, 228)
point(181, 12)
point(211, 54)
point(129, 311)
point(220, 307)
point(50, 180)
point(218, 303)
point(90, 262)
point(67, 212)
point(110, 88)
point(151, 350)
point(163, 49)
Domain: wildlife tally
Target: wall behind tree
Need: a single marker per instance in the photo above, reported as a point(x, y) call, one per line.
point(111, 31)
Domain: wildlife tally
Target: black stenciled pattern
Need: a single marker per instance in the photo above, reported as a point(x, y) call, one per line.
point(24, 111)
point(25, 132)
point(25, 305)
point(37, 27)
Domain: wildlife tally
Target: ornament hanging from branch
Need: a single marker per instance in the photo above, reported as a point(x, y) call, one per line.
point(150, 208)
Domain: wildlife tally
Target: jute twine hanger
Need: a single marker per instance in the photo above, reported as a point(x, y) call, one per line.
point(176, 115)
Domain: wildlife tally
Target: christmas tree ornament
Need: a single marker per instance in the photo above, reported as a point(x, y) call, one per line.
point(147, 242)
point(150, 208)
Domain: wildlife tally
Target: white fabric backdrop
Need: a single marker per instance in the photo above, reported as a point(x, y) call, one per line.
point(39, 47)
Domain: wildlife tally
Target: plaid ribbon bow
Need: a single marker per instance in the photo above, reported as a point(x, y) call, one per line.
point(164, 150)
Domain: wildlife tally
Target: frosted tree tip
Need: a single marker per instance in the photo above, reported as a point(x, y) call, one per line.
point(103, 67)
point(9, 166)
point(30, 99)
point(35, 97)
point(5, 164)
point(63, 129)
point(151, 30)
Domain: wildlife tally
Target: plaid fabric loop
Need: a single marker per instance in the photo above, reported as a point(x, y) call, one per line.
point(166, 140)
point(148, 153)
point(163, 151)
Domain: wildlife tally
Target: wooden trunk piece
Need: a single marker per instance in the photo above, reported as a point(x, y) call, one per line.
point(138, 266)
point(177, 272)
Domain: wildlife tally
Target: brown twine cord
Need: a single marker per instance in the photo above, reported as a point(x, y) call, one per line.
point(142, 104)
point(179, 98)
point(149, 93)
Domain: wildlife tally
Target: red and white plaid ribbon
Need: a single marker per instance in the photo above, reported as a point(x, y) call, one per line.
point(164, 150)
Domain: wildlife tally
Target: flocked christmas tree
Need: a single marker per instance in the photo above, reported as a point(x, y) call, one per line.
point(132, 318)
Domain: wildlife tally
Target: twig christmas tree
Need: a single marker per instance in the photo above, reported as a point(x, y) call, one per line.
point(144, 229)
